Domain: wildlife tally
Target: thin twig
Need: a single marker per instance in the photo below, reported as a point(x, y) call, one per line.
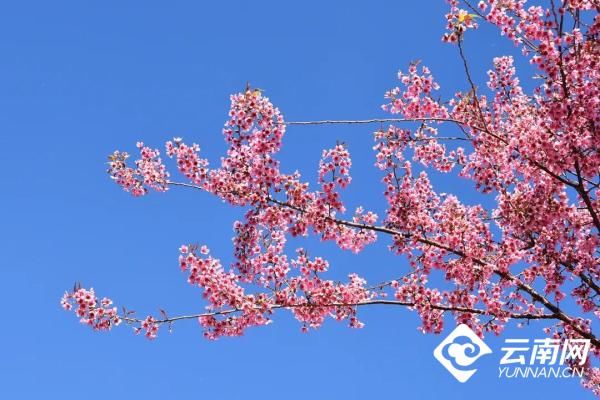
point(377, 121)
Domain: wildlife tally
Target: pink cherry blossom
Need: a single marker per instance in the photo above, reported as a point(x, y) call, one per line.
point(97, 314)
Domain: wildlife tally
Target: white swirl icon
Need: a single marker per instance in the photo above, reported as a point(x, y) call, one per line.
point(461, 348)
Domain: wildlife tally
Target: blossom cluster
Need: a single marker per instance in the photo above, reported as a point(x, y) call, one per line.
point(150, 172)
point(459, 20)
point(415, 99)
point(189, 162)
point(96, 313)
point(530, 246)
point(334, 171)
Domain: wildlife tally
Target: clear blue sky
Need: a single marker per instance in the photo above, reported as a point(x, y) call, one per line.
point(80, 79)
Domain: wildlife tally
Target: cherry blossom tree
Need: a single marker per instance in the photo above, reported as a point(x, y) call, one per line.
point(534, 155)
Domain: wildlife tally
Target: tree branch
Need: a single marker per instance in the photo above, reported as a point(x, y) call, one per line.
point(374, 121)
point(458, 122)
point(440, 307)
point(556, 312)
point(585, 196)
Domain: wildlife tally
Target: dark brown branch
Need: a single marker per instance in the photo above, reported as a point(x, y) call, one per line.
point(440, 307)
point(555, 311)
point(590, 282)
point(471, 83)
point(585, 196)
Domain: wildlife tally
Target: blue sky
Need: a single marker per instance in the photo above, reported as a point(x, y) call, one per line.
point(81, 79)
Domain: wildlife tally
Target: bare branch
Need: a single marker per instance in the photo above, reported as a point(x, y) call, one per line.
point(375, 121)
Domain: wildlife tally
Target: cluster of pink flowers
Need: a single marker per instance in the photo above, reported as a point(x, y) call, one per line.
point(188, 162)
point(150, 172)
point(533, 157)
point(93, 312)
point(223, 292)
point(334, 171)
point(416, 98)
point(253, 132)
point(459, 21)
point(324, 298)
point(150, 326)
point(591, 380)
